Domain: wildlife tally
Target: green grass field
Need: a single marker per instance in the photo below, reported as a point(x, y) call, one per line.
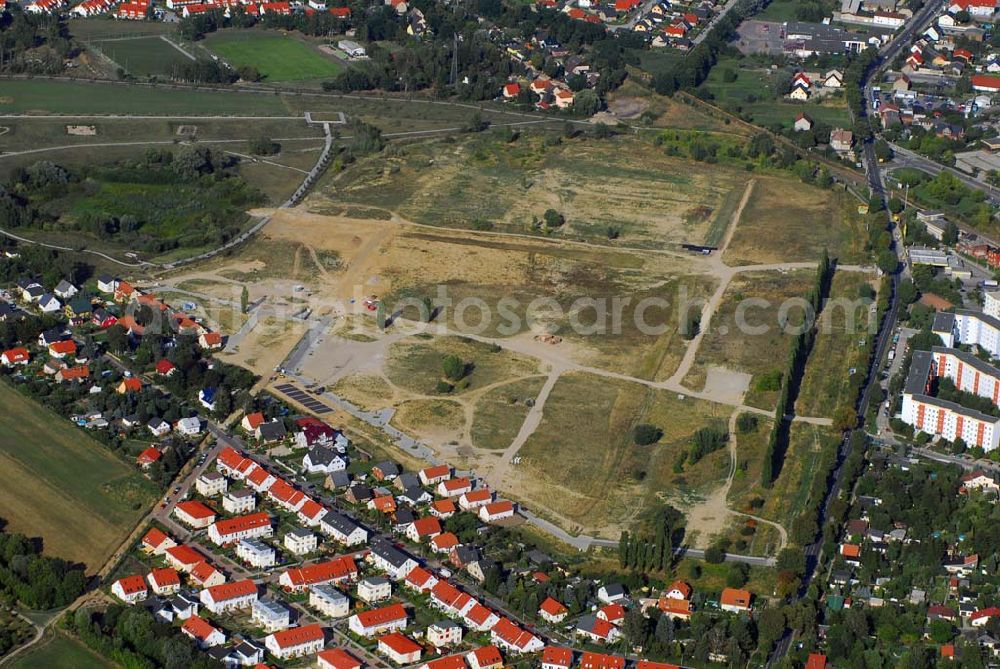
point(59, 651)
point(60, 97)
point(276, 57)
point(62, 485)
point(142, 56)
point(102, 28)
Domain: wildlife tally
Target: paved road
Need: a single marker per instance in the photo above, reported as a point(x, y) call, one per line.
point(907, 158)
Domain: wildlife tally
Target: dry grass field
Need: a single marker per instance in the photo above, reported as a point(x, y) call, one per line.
point(582, 465)
point(786, 221)
point(626, 185)
point(741, 348)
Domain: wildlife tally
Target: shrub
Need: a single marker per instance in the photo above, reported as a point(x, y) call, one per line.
point(645, 434)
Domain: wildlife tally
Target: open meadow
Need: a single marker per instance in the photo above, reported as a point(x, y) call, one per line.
point(59, 651)
point(64, 487)
point(143, 55)
point(792, 222)
point(622, 192)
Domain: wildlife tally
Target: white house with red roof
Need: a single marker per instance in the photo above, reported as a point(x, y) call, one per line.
point(338, 570)
point(210, 340)
point(296, 642)
point(183, 557)
point(421, 580)
point(164, 581)
point(424, 528)
point(434, 475)
point(475, 499)
point(678, 590)
point(497, 511)
point(130, 589)
point(252, 421)
point(15, 356)
point(552, 611)
point(454, 487)
point(443, 543)
point(204, 634)
point(485, 657)
point(205, 575)
point(556, 657)
point(399, 648)
point(231, 530)
point(983, 616)
point(480, 618)
point(378, 621)
point(229, 596)
point(509, 636)
point(194, 514)
point(156, 541)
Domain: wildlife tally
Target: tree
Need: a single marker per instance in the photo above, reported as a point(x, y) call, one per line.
point(746, 423)
point(586, 102)
point(770, 627)
point(739, 574)
point(887, 261)
point(645, 434)
point(244, 300)
point(882, 150)
point(950, 236)
point(895, 205)
point(264, 146)
point(715, 555)
point(553, 218)
point(454, 368)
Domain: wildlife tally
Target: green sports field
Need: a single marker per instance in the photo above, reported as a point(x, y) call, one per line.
point(276, 57)
point(63, 486)
point(142, 56)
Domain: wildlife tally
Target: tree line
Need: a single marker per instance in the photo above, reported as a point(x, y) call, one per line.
point(651, 551)
point(37, 581)
point(801, 346)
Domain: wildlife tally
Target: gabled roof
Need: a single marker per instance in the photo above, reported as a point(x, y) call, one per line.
point(399, 643)
point(194, 509)
point(321, 572)
point(298, 635)
point(131, 585)
point(382, 615)
point(164, 577)
point(552, 607)
point(339, 658)
point(154, 537)
point(242, 523)
point(234, 590)
point(558, 656)
point(427, 526)
point(198, 627)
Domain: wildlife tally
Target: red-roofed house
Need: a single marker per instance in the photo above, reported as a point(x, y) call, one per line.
point(497, 511)
point(511, 90)
point(420, 579)
point(183, 557)
point(443, 543)
point(205, 575)
point(252, 421)
point(601, 661)
point(985, 83)
point(554, 657)
point(436, 474)
point(678, 590)
point(61, 349)
point(816, 661)
point(735, 600)
point(130, 589)
point(210, 340)
point(480, 618)
point(156, 541)
point(475, 499)
point(148, 457)
point(15, 356)
point(486, 657)
point(613, 613)
point(203, 633)
point(297, 641)
point(230, 530)
point(337, 658)
point(398, 648)
point(229, 596)
point(454, 487)
point(337, 570)
point(508, 635)
point(164, 581)
point(443, 508)
point(422, 528)
point(341, 12)
point(378, 621)
point(552, 611)
point(165, 368)
point(194, 514)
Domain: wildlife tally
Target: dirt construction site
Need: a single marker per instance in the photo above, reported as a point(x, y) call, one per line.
point(361, 303)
